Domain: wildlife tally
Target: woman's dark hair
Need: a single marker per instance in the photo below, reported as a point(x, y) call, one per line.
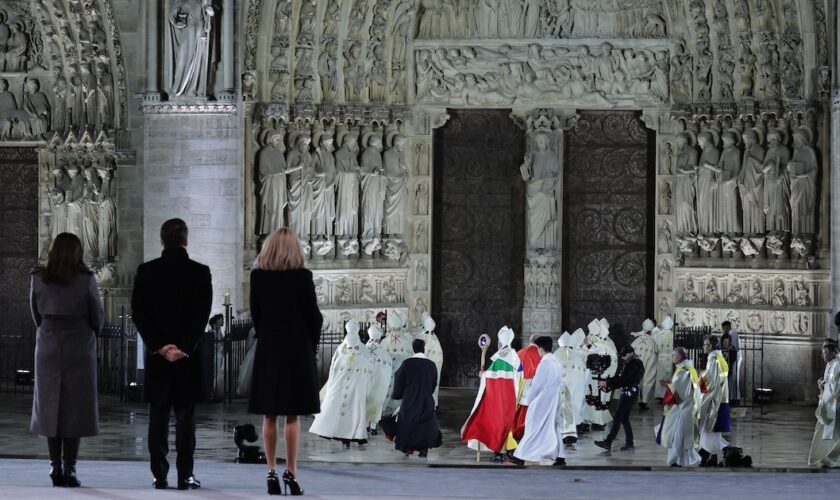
point(65, 260)
point(216, 318)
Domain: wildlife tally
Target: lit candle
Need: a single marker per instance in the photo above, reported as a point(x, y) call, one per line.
point(227, 298)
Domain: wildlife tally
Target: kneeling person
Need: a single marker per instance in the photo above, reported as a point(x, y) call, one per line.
point(543, 439)
point(414, 386)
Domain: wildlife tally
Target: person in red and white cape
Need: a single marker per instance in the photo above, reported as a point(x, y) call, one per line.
point(530, 358)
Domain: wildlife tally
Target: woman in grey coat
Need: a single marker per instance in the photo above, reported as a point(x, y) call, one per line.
point(67, 310)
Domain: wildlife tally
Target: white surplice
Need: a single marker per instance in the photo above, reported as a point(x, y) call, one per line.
point(380, 383)
point(646, 351)
point(825, 447)
point(543, 439)
point(397, 343)
point(574, 379)
point(715, 380)
point(664, 338)
point(680, 432)
point(600, 344)
point(344, 397)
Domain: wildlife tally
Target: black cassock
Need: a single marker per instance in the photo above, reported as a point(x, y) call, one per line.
point(417, 426)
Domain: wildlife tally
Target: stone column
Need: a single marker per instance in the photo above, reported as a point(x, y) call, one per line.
point(152, 15)
point(542, 171)
point(834, 177)
point(228, 92)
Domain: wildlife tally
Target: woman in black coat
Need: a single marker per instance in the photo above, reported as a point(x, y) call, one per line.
point(68, 313)
point(288, 325)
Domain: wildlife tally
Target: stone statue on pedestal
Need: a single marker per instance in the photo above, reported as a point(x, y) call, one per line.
point(190, 26)
point(58, 216)
point(347, 207)
point(90, 214)
point(686, 170)
point(751, 183)
point(74, 197)
point(707, 199)
point(323, 188)
point(273, 195)
point(373, 195)
point(396, 173)
point(107, 212)
point(541, 171)
point(776, 183)
point(729, 169)
point(299, 168)
point(803, 170)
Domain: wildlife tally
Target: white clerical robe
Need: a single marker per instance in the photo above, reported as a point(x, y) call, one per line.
point(645, 347)
point(344, 396)
point(825, 447)
point(600, 346)
point(543, 439)
point(380, 382)
point(715, 387)
point(664, 353)
point(435, 353)
point(397, 343)
point(574, 379)
point(679, 432)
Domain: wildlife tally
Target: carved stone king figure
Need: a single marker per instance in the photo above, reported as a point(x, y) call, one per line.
point(190, 29)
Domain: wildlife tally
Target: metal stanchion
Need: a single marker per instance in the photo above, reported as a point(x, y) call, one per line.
point(123, 352)
point(227, 350)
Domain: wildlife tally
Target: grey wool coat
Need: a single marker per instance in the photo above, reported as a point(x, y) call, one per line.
point(68, 317)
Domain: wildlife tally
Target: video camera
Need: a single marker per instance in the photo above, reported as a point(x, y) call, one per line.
point(597, 364)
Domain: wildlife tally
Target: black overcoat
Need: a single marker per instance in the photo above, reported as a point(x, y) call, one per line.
point(171, 305)
point(414, 385)
point(288, 328)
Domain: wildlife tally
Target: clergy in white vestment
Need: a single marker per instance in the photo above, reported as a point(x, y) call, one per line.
point(645, 346)
point(543, 440)
point(433, 349)
point(664, 337)
point(397, 343)
point(574, 382)
point(344, 397)
point(598, 345)
point(714, 405)
point(381, 378)
point(735, 359)
point(679, 432)
point(825, 447)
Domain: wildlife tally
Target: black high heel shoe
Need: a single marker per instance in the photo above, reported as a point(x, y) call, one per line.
point(57, 476)
point(291, 484)
point(273, 483)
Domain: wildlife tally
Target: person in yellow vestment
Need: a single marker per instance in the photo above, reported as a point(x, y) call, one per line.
point(679, 432)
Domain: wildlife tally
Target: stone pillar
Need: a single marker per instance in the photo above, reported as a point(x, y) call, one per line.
point(542, 171)
point(152, 14)
point(834, 177)
point(228, 92)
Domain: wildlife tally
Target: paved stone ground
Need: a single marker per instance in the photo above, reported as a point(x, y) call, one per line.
point(131, 480)
point(777, 439)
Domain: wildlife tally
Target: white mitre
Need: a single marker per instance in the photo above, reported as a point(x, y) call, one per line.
point(667, 323)
point(578, 338)
point(352, 338)
point(647, 325)
point(427, 323)
point(395, 320)
point(605, 328)
point(565, 340)
point(505, 337)
point(594, 328)
point(374, 332)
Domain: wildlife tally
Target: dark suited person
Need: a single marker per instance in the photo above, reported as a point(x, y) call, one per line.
point(171, 305)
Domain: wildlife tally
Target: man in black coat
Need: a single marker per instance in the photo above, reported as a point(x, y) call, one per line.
point(628, 379)
point(414, 384)
point(170, 306)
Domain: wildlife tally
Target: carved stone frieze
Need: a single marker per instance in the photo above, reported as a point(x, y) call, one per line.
point(348, 288)
point(176, 108)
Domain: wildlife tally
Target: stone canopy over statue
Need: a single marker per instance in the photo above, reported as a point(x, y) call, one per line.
point(190, 30)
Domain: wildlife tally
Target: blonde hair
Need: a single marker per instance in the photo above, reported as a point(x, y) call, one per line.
point(280, 252)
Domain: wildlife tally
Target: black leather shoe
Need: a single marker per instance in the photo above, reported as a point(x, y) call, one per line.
point(70, 479)
point(190, 483)
point(160, 484)
point(559, 462)
point(603, 444)
point(57, 476)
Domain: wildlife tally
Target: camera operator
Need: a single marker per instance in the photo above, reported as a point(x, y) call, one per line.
point(627, 379)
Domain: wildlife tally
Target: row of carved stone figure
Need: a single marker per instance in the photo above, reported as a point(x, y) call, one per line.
point(325, 193)
point(782, 294)
point(751, 190)
point(83, 201)
point(14, 45)
point(32, 120)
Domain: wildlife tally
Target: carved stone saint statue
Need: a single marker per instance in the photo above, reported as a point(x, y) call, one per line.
point(540, 171)
point(373, 195)
point(190, 26)
point(751, 184)
point(107, 212)
point(90, 214)
point(729, 171)
point(776, 183)
point(396, 173)
point(273, 196)
point(299, 168)
point(663, 278)
point(58, 216)
point(686, 169)
point(73, 197)
point(803, 171)
point(707, 199)
point(347, 205)
point(323, 188)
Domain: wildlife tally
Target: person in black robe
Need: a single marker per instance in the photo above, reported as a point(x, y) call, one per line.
point(414, 384)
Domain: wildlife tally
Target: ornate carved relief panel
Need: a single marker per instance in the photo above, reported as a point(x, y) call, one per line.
point(479, 219)
point(608, 220)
